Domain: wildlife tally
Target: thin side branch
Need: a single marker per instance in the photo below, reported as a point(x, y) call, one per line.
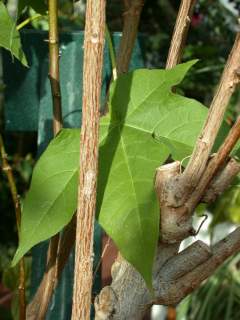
point(221, 181)
point(215, 163)
point(92, 83)
point(39, 305)
point(7, 169)
point(180, 33)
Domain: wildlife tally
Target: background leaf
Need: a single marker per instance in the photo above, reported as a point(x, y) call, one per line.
point(38, 6)
point(52, 199)
point(9, 36)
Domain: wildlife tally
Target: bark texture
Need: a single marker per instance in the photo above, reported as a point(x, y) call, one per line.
point(92, 82)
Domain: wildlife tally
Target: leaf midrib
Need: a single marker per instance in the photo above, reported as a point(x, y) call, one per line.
point(132, 183)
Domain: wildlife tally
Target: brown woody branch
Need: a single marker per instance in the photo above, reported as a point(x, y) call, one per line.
point(221, 181)
point(171, 293)
point(180, 33)
point(176, 221)
point(215, 163)
point(131, 17)
point(205, 141)
point(184, 262)
point(92, 83)
point(171, 230)
point(173, 281)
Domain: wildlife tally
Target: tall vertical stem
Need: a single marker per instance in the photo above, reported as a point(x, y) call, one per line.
point(45, 290)
point(92, 82)
point(180, 33)
point(131, 17)
point(54, 65)
point(17, 206)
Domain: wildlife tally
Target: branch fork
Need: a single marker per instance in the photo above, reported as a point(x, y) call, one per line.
point(206, 176)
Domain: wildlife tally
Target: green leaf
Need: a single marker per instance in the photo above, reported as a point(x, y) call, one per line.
point(38, 5)
point(180, 135)
point(180, 128)
point(9, 36)
point(129, 155)
point(52, 198)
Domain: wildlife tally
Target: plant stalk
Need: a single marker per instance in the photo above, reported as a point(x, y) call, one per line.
point(17, 206)
point(131, 18)
point(38, 308)
point(27, 21)
point(180, 33)
point(92, 83)
point(54, 65)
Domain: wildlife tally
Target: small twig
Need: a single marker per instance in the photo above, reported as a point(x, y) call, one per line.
point(214, 165)
point(205, 217)
point(111, 53)
point(131, 18)
point(180, 33)
point(228, 144)
point(204, 144)
point(92, 82)
point(17, 206)
point(221, 181)
point(27, 21)
point(102, 256)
